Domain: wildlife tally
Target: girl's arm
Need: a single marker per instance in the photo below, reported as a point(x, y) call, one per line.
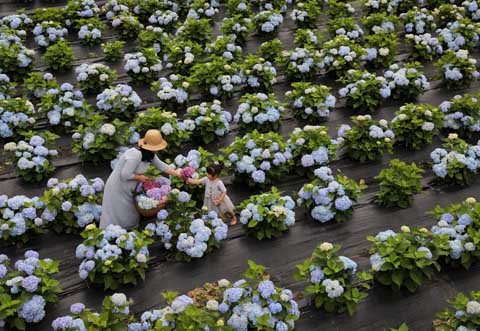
point(191, 181)
point(220, 198)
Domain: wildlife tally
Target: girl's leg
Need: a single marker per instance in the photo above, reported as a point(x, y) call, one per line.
point(233, 218)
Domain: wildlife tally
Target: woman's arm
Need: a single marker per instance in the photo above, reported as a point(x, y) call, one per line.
point(163, 167)
point(128, 170)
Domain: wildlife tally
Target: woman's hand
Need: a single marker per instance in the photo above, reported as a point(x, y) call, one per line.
point(140, 178)
point(217, 201)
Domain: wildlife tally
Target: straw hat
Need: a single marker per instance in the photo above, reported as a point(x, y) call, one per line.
point(153, 141)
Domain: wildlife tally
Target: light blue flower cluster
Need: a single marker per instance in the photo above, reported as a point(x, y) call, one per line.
point(403, 77)
point(258, 109)
point(268, 21)
point(442, 158)
point(28, 282)
point(69, 106)
point(459, 71)
point(418, 21)
point(84, 8)
point(48, 32)
point(164, 18)
point(137, 63)
point(108, 249)
point(16, 21)
point(452, 36)
point(31, 157)
point(12, 119)
point(351, 89)
point(6, 86)
point(118, 100)
point(301, 61)
point(89, 33)
point(326, 195)
point(206, 113)
point(461, 113)
point(193, 239)
point(255, 74)
point(66, 323)
point(456, 227)
point(206, 9)
point(472, 8)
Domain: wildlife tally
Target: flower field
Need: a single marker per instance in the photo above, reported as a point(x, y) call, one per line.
point(350, 136)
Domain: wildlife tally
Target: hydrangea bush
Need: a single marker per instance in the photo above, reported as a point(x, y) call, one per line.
point(76, 202)
point(333, 281)
point(48, 33)
point(21, 217)
point(339, 55)
point(144, 66)
point(113, 50)
point(311, 147)
point(172, 92)
point(461, 114)
point(216, 77)
point(415, 125)
point(329, 197)
point(367, 140)
point(258, 158)
point(259, 73)
point(456, 162)
point(406, 82)
point(94, 77)
point(59, 57)
point(398, 183)
point(211, 120)
point(457, 223)
point(268, 214)
point(90, 32)
point(259, 111)
point(300, 63)
point(381, 49)
point(191, 234)
point(16, 116)
point(365, 90)
point(97, 139)
point(65, 107)
point(406, 259)
point(310, 101)
point(424, 47)
point(458, 69)
point(36, 84)
point(115, 315)
point(26, 289)
point(120, 101)
point(305, 14)
point(127, 26)
point(33, 159)
point(268, 22)
point(113, 256)
point(462, 315)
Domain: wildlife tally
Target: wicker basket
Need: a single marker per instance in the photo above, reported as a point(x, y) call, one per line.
point(144, 212)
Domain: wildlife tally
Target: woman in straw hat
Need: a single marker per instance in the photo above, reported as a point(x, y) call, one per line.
point(118, 206)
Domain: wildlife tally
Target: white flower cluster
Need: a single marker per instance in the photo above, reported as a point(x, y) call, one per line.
point(302, 60)
point(48, 32)
point(90, 136)
point(93, 71)
point(207, 11)
point(257, 71)
point(146, 203)
point(113, 8)
point(353, 33)
point(426, 42)
point(167, 90)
